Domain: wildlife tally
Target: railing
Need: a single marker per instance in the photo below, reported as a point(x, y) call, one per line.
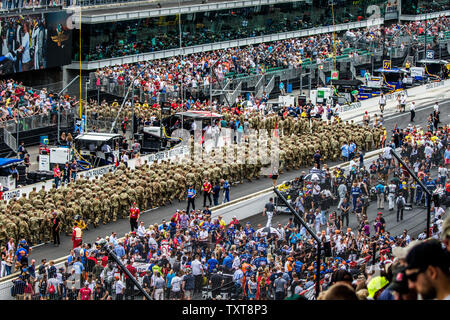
point(268, 89)
point(353, 70)
point(232, 96)
point(259, 87)
point(10, 140)
point(22, 6)
point(322, 77)
point(38, 121)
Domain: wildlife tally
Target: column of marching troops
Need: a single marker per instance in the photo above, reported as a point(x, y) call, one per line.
point(107, 198)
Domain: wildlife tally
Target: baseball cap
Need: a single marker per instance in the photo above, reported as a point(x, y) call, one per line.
point(402, 252)
point(375, 285)
point(399, 281)
point(428, 253)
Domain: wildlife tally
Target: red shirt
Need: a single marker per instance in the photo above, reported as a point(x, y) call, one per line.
point(134, 213)
point(85, 293)
point(132, 270)
point(104, 261)
point(56, 172)
point(207, 187)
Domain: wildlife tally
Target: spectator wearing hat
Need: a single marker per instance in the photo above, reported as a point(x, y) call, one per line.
point(18, 289)
point(428, 270)
point(376, 286)
point(188, 284)
point(401, 252)
point(399, 285)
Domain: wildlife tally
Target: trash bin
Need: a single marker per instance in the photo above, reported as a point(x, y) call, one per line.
point(289, 88)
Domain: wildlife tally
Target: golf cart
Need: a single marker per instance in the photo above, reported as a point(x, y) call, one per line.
point(89, 149)
point(434, 69)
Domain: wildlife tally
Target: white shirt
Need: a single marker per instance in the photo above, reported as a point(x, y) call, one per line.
point(387, 153)
point(176, 284)
point(412, 107)
point(403, 99)
point(196, 268)
point(119, 287)
point(26, 48)
point(436, 107)
point(141, 231)
point(352, 163)
point(428, 151)
point(442, 171)
point(203, 235)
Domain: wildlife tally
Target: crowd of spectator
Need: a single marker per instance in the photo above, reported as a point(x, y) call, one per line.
point(196, 256)
point(18, 101)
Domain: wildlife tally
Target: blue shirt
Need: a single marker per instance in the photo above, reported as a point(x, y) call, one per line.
point(191, 193)
point(18, 253)
point(356, 191)
point(169, 278)
point(228, 262)
point(78, 267)
point(260, 262)
point(352, 147)
point(345, 150)
point(212, 264)
point(119, 251)
point(380, 188)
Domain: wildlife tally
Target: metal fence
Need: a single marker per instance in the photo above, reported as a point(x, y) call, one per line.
point(270, 85)
point(9, 139)
point(39, 121)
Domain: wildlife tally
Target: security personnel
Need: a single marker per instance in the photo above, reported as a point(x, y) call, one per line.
point(191, 193)
point(134, 216)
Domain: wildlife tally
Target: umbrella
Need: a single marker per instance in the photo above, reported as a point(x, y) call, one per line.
point(266, 230)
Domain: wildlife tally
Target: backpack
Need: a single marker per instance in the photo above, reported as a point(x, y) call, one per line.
point(51, 290)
